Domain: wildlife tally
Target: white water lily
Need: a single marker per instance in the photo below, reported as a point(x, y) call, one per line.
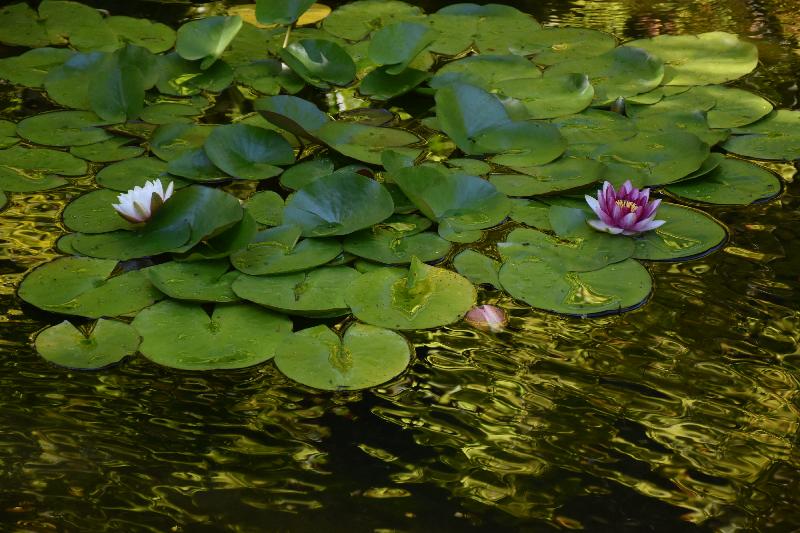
point(141, 203)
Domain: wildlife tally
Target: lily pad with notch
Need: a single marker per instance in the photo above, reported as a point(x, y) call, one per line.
point(733, 182)
point(63, 128)
point(397, 240)
point(478, 268)
point(319, 62)
point(113, 149)
point(266, 207)
point(777, 136)
point(127, 174)
point(561, 175)
point(367, 143)
point(30, 68)
point(248, 152)
point(106, 343)
point(197, 281)
point(687, 234)
point(366, 356)
point(93, 213)
point(279, 250)
point(205, 39)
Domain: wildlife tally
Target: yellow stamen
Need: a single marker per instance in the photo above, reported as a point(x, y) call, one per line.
point(627, 204)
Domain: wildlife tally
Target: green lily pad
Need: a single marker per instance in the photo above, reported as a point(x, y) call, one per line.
point(365, 357)
point(532, 213)
point(205, 39)
point(83, 286)
point(461, 201)
point(419, 298)
point(356, 20)
point(42, 161)
point(319, 292)
point(301, 174)
point(551, 96)
point(181, 335)
point(13, 180)
point(3, 199)
point(688, 233)
point(113, 149)
point(660, 158)
point(68, 84)
point(22, 26)
point(734, 107)
point(555, 45)
point(382, 85)
point(366, 143)
point(154, 36)
point(319, 62)
point(593, 127)
point(8, 134)
point(293, 114)
point(338, 204)
point(31, 68)
point(172, 140)
point(397, 240)
point(474, 167)
point(63, 128)
point(694, 122)
point(525, 143)
point(108, 342)
point(281, 11)
point(477, 268)
point(623, 71)
point(455, 110)
point(93, 213)
point(116, 93)
point(703, 59)
point(180, 77)
point(189, 216)
point(125, 175)
point(563, 174)
point(194, 165)
point(82, 25)
point(199, 281)
point(486, 71)
point(278, 250)
point(776, 136)
point(170, 112)
point(613, 289)
point(248, 152)
point(731, 182)
point(398, 43)
point(266, 207)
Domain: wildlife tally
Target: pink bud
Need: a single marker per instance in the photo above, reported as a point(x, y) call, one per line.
point(487, 318)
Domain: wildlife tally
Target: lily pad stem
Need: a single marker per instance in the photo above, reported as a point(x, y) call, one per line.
point(288, 33)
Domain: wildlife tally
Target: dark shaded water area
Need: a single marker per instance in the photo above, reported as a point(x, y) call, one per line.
point(680, 416)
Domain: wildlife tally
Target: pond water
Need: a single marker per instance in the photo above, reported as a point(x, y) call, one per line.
point(680, 416)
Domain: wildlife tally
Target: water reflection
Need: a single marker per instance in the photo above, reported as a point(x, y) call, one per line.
point(684, 412)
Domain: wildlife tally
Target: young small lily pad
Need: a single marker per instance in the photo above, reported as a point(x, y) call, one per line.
point(731, 182)
point(338, 204)
point(688, 233)
point(318, 292)
point(248, 152)
point(612, 289)
point(365, 357)
point(82, 286)
point(477, 268)
point(198, 281)
point(182, 335)
point(108, 342)
point(418, 298)
point(266, 207)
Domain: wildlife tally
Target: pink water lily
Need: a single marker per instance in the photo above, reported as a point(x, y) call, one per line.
point(628, 210)
point(141, 203)
point(487, 317)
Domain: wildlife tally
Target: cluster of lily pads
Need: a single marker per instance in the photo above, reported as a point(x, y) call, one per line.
point(376, 216)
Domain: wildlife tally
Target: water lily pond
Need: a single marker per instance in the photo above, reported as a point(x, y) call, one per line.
point(399, 266)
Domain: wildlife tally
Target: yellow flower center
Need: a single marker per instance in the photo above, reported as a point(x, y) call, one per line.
point(627, 204)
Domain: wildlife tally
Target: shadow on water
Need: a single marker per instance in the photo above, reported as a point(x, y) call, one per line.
point(680, 416)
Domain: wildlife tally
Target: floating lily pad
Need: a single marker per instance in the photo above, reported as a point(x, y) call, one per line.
point(594, 127)
point(317, 292)
point(8, 134)
point(180, 77)
point(688, 233)
point(561, 44)
point(301, 174)
point(381, 85)
point(552, 96)
point(83, 286)
point(775, 137)
point(703, 59)
point(248, 152)
point(477, 268)
point(524, 143)
point(63, 128)
point(266, 207)
point(319, 62)
point(278, 250)
point(398, 43)
point(41, 161)
point(169, 112)
point(82, 25)
point(283, 12)
point(660, 158)
point(26, 181)
point(366, 143)
point(397, 241)
point(68, 84)
point(293, 114)
point(31, 68)
point(199, 281)
point(125, 175)
point(486, 71)
point(195, 165)
point(561, 175)
point(338, 204)
point(455, 110)
point(419, 298)
point(613, 289)
point(623, 71)
point(531, 213)
point(116, 93)
point(182, 335)
point(205, 39)
point(108, 342)
point(22, 26)
point(154, 36)
point(474, 167)
point(113, 149)
point(171, 140)
point(365, 357)
point(356, 20)
point(93, 213)
point(461, 201)
point(731, 182)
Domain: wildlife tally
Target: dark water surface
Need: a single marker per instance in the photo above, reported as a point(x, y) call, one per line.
point(681, 416)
